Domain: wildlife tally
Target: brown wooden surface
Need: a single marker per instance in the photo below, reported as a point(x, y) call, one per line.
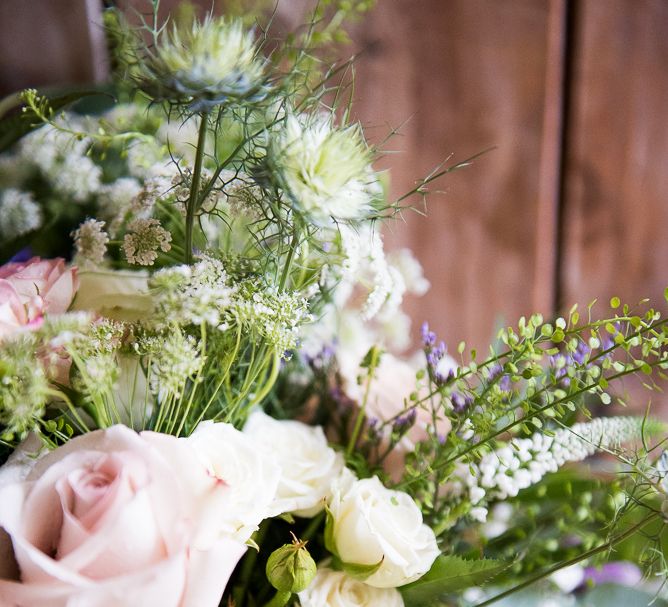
point(50, 42)
point(570, 205)
point(469, 74)
point(616, 204)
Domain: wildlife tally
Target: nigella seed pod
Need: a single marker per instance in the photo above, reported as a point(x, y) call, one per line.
point(291, 568)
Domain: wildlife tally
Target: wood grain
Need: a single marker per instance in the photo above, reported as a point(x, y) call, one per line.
point(50, 42)
point(616, 204)
point(468, 74)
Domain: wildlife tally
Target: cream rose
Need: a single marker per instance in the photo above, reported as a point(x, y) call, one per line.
point(122, 295)
point(108, 520)
point(371, 523)
point(308, 465)
point(336, 589)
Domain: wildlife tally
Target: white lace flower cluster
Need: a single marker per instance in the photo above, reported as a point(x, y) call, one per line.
point(62, 159)
point(175, 359)
point(143, 240)
point(276, 316)
point(205, 293)
point(201, 293)
point(19, 213)
point(524, 461)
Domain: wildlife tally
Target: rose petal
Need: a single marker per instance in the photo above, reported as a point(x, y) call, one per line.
point(209, 571)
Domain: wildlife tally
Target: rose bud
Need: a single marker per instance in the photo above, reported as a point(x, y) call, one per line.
point(290, 568)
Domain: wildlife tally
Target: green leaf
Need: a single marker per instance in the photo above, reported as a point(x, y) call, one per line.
point(449, 574)
point(330, 544)
point(15, 124)
point(361, 572)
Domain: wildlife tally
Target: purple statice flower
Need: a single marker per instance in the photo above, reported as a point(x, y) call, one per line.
point(623, 573)
point(435, 353)
point(372, 429)
point(496, 374)
point(404, 422)
point(322, 358)
point(428, 337)
point(581, 354)
point(343, 402)
point(461, 402)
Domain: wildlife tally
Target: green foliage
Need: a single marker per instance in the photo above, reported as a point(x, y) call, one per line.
point(450, 574)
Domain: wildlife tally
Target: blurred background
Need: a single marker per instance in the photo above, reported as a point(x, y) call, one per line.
point(572, 202)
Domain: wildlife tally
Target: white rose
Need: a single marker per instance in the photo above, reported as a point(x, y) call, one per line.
point(336, 589)
point(252, 478)
point(308, 465)
point(372, 523)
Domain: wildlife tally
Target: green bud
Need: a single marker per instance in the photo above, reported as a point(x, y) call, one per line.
point(290, 568)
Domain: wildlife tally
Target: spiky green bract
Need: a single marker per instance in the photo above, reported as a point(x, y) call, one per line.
point(211, 62)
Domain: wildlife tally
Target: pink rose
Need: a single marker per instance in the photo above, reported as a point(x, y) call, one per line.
point(30, 289)
point(111, 519)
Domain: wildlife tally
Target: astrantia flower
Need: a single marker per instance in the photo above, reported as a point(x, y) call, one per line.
point(90, 241)
point(324, 170)
point(212, 62)
point(144, 239)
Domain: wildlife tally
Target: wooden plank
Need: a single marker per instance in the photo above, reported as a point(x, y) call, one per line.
point(469, 74)
point(616, 211)
point(48, 42)
point(550, 170)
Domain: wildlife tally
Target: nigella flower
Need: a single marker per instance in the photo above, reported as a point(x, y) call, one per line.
point(325, 171)
point(212, 62)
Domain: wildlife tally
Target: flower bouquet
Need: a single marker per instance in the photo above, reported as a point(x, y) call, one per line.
point(205, 406)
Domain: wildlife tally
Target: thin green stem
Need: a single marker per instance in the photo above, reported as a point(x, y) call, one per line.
point(373, 364)
point(280, 599)
point(193, 199)
point(288, 261)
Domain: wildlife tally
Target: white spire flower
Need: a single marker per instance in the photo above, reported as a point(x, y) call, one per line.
point(324, 170)
point(19, 213)
point(213, 61)
point(144, 238)
point(524, 461)
point(90, 241)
